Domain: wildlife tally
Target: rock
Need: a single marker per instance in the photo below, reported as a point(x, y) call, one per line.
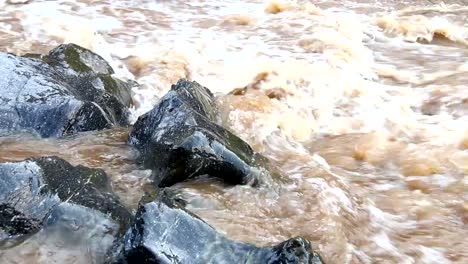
point(70, 234)
point(276, 93)
point(68, 91)
point(73, 60)
point(31, 192)
point(179, 139)
point(238, 91)
point(164, 232)
point(76, 60)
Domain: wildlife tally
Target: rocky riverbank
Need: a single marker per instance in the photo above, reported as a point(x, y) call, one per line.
point(72, 90)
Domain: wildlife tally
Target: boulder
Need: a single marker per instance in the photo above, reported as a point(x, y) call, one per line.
point(71, 234)
point(67, 91)
point(32, 191)
point(179, 139)
point(164, 232)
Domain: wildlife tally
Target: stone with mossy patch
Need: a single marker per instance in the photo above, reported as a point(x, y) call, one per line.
point(179, 139)
point(67, 91)
point(77, 60)
point(31, 190)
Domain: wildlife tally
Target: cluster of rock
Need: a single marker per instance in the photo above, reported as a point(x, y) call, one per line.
point(72, 90)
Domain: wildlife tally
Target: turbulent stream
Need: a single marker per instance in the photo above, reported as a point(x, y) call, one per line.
point(363, 105)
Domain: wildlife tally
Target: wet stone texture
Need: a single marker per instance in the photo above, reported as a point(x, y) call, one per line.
point(39, 192)
point(164, 232)
point(179, 139)
point(68, 91)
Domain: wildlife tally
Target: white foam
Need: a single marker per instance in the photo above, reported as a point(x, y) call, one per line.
point(432, 256)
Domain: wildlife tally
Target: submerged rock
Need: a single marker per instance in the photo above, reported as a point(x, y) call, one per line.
point(70, 90)
point(36, 191)
point(164, 232)
point(70, 234)
point(179, 139)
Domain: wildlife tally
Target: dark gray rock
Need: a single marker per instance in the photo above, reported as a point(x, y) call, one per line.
point(164, 232)
point(32, 190)
point(70, 234)
point(179, 139)
point(68, 91)
point(76, 60)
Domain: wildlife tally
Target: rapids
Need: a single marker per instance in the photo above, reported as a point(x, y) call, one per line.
point(363, 105)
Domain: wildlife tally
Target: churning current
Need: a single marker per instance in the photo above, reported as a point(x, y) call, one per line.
point(362, 105)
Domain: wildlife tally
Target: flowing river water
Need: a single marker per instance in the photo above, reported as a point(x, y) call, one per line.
point(362, 105)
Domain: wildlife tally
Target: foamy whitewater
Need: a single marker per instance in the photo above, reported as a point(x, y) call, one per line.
point(363, 105)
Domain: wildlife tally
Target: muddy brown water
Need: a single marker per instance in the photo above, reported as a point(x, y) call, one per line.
point(368, 118)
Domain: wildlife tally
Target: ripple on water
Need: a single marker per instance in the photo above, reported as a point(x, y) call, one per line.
point(361, 104)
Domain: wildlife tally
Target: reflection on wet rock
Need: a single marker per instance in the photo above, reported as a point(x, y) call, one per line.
point(164, 232)
point(371, 129)
point(68, 91)
point(179, 139)
point(33, 193)
point(71, 234)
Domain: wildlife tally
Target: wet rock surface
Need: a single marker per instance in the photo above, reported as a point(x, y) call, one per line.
point(58, 212)
point(179, 139)
point(42, 191)
point(68, 91)
point(70, 234)
point(164, 232)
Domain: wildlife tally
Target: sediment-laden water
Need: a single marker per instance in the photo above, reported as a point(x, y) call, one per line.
point(363, 105)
